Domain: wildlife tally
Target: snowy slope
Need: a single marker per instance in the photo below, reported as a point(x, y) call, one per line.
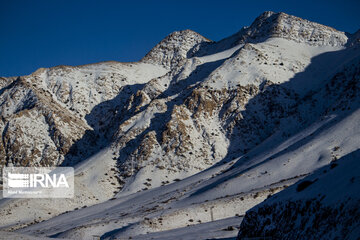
point(189, 201)
point(229, 192)
point(323, 205)
point(189, 138)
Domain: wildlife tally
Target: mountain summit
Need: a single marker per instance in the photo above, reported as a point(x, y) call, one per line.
point(270, 24)
point(178, 45)
point(173, 49)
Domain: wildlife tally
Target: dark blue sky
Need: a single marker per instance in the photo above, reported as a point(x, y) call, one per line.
point(36, 34)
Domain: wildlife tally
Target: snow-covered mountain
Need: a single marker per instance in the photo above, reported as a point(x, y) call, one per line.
point(197, 131)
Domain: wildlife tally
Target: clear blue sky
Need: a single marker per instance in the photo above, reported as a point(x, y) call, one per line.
point(36, 34)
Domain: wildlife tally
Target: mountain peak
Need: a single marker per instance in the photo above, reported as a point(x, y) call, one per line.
point(174, 47)
point(270, 24)
point(279, 25)
point(265, 15)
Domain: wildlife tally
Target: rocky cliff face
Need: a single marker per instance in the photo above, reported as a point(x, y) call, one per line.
point(61, 115)
point(36, 131)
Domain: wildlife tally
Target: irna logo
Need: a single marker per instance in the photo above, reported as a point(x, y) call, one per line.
point(18, 180)
point(44, 182)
